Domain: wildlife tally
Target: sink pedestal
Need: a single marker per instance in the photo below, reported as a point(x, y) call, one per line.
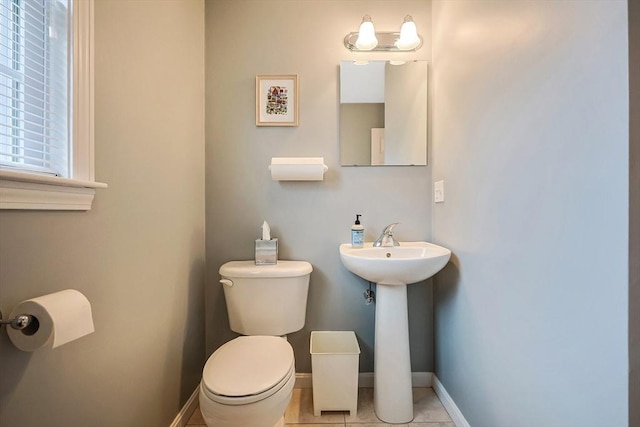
point(392, 268)
point(392, 397)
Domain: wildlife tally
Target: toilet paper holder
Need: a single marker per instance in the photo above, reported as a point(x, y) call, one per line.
point(50, 320)
point(21, 321)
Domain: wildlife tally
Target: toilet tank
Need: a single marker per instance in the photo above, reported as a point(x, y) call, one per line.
point(266, 299)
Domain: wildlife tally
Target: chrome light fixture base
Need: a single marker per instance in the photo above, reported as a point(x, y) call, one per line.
point(386, 42)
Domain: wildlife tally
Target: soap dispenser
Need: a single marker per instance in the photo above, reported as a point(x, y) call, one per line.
point(357, 233)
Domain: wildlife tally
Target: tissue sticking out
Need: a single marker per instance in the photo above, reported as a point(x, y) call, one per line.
point(266, 249)
point(266, 231)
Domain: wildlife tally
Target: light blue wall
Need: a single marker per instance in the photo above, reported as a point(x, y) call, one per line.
point(530, 135)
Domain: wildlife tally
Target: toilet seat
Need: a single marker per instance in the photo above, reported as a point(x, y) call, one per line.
point(248, 369)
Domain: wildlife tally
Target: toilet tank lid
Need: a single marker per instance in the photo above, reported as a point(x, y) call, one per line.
point(250, 269)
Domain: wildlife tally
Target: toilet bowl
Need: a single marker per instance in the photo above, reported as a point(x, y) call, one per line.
point(248, 382)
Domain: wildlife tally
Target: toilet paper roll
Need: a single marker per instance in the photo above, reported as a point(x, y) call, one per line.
point(297, 168)
point(61, 317)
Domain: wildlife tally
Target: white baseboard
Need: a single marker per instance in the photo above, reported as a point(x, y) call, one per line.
point(448, 403)
point(421, 379)
point(365, 379)
point(187, 410)
point(303, 380)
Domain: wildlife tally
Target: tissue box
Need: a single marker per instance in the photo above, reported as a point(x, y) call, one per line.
point(266, 251)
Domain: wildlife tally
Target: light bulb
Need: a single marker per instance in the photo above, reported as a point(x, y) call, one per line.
point(408, 35)
point(366, 35)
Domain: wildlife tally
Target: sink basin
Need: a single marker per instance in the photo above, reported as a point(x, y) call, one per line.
point(392, 269)
point(410, 262)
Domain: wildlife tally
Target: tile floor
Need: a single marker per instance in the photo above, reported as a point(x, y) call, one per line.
point(427, 411)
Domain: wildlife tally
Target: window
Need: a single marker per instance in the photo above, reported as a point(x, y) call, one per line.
point(46, 104)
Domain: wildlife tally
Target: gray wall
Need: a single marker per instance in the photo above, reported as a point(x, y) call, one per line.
point(138, 255)
point(530, 135)
point(634, 212)
point(311, 219)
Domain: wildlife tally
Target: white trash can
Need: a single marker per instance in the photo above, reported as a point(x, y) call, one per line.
point(334, 371)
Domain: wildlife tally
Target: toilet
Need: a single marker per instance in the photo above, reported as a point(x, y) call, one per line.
point(248, 381)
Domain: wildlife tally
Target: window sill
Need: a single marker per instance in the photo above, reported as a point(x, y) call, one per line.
point(20, 190)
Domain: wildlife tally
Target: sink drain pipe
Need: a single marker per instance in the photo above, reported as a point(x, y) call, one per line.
point(369, 295)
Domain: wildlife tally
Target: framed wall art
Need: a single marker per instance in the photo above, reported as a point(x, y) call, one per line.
point(277, 100)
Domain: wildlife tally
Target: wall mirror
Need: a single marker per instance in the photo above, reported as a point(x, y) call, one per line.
point(383, 113)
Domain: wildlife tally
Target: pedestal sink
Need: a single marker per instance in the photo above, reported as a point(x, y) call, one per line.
point(392, 269)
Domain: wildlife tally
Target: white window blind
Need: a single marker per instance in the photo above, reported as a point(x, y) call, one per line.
point(34, 86)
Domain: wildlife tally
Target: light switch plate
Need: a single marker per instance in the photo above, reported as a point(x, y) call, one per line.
point(438, 191)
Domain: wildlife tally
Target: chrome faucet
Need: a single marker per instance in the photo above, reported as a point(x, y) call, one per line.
point(386, 238)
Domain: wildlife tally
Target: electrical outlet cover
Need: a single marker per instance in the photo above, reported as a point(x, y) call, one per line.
point(438, 191)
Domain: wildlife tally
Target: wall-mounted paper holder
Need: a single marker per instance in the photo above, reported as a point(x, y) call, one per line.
point(18, 322)
point(297, 168)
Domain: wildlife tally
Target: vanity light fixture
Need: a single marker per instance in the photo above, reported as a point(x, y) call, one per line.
point(367, 39)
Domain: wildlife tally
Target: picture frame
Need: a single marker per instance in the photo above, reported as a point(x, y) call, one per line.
point(277, 100)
